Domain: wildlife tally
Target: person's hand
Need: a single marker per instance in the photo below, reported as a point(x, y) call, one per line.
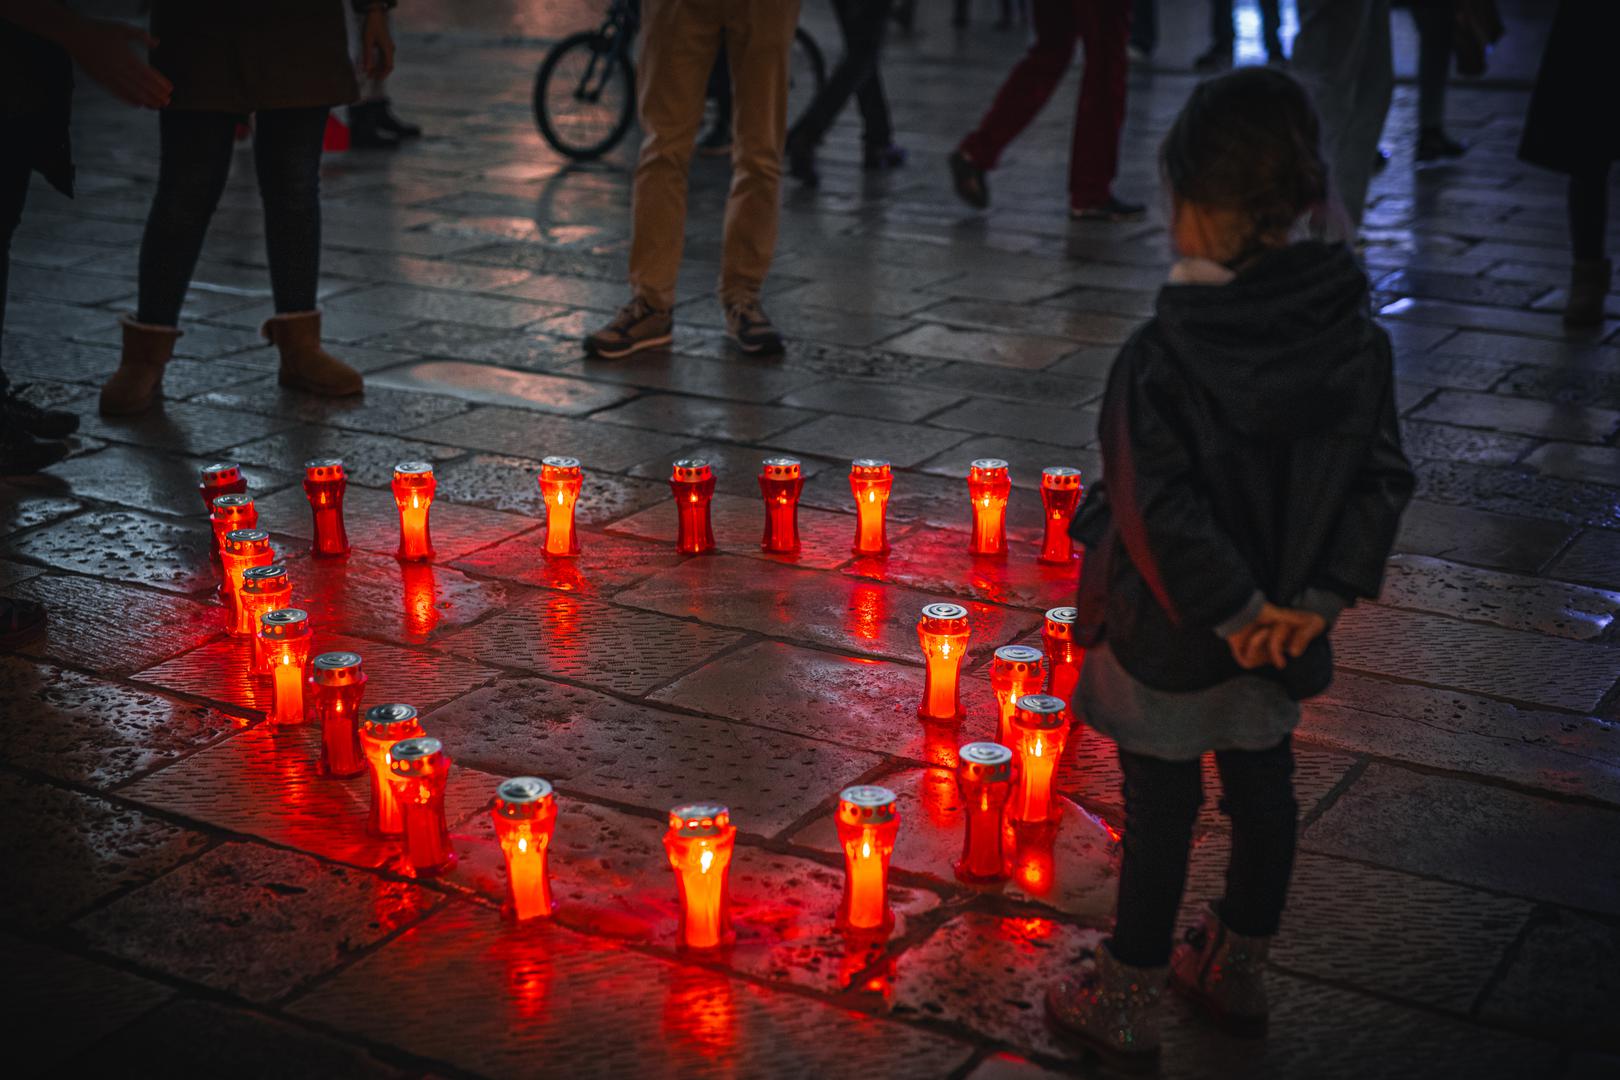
point(106, 52)
point(1276, 635)
point(376, 44)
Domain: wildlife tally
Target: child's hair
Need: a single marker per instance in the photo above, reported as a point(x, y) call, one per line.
point(1248, 141)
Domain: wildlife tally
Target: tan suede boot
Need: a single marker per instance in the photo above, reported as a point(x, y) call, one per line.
point(304, 364)
point(134, 387)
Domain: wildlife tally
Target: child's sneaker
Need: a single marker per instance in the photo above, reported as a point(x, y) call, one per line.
point(1224, 974)
point(637, 326)
point(1112, 1009)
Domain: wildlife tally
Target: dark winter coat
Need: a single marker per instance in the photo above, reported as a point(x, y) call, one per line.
point(36, 97)
point(1249, 443)
point(1574, 120)
point(240, 57)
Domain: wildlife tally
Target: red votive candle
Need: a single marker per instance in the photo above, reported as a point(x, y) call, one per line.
point(699, 843)
point(943, 631)
point(324, 484)
point(871, 480)
point(287, 640)
point(337, 682)
point(383, 726)
point(984, 779)
point(1015, 670)
point(989, 485)
point(867, 826)
point(413, 494)
point(560, 481)
point(1063, 656)
point(242, 548)
point(228, 513)
point(1040, 727)
point(264, 589)
point(418, 772)
point(692, 481)
point(216, 480)
point(525, 816)
point(1060, 496)
point(780, 481)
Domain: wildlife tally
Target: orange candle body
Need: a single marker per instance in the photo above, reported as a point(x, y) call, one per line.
point(213, 481)
point(287, 639)
point(324, 484)
point(989, 485)
point(560, 482)
point(228, 513)
point(264, 589)
point(984, 779)
point(1015, 671)
point(943, 631)
point(1060, 497)
point(383, 726)
point(242, 548)
point(867, 826)
point(780, 482)
point(871, 480)
point(699, 843)
point(418, 772)
point(692, 481)
point(1063, 656)
point(337, 682)
point(1040, 726)
point(525, 816)
point(413, 493)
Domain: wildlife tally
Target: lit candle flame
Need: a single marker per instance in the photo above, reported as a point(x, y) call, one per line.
point(705, 861)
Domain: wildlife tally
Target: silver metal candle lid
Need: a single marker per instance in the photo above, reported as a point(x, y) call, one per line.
point(324, 469)
point(408, 750)
point(1019, 654)
point(413, 468)
point(781, 468)
point(517, 797)
point(945, 612)
point(246, 538)
point(284, 622)
point(989, 464)
point(985, 754)
point(866, 804)
point(555, 461)
point(384, 716)
point(692, 469)
point(1060, 476)
point(1040, 711)
point(232, 502)
point(256, 574)
point(337, 668)
point(220, 472)
point(700, 819)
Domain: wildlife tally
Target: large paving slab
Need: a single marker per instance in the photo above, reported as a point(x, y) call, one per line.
point(501, 482)
point(371, 520)
point(504, 430)
point(1506, 600)
point(1561, 978)
point(381, 597)
point(607, 562)
point(129, 547)
point(58, 1002)
point(114, 628)
point(825, 539)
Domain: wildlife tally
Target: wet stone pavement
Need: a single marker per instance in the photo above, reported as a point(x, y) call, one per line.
point(185, 889)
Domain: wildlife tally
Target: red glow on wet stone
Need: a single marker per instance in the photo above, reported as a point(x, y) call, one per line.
point(413, 488)
point(1060, 496)
point(868, 610)
point(989, 485)
point(867, 826)
point(420, 592)
point(560, 482)
point(943, 633)
point(700, 1011)
point(324, 484)
point(1035, 860)
point(692, 482)
point(699, 843)
point(780, 482)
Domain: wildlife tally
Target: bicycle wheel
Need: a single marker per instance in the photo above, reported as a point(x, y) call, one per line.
point(584, 95)
point(807, 71)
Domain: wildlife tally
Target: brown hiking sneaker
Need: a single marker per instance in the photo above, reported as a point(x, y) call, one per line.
point(637, 326)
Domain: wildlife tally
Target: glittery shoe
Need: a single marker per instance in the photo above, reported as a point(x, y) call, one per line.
point(1112, 1010)
point(1224, 974)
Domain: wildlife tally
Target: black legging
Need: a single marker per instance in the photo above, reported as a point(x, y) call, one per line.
point(1589, 211)
point(14, 173)
point(194, 162)
point(1161, 806)
point(864, 24)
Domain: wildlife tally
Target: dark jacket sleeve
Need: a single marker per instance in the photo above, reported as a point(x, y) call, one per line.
point(1353, 564)
point(1162, 516)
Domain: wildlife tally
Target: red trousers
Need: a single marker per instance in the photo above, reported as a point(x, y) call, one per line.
point(1103, 26)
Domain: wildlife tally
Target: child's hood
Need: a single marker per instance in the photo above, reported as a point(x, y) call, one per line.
point(1282, 348)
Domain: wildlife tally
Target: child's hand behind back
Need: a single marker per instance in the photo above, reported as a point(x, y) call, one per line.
point(1275, 635)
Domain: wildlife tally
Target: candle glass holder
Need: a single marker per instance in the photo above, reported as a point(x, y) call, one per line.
point(242, 548)
point(383, 726)
point(337, 682)
point(699, 843)
point(217, 480)
point(418, 772)
point(868, 823)
point(780, 482)
point(264, 589)
point(561, 479)
point(943, 632)
point(325, 481)
point(989, 485)
point(1060, 497)
point(1015, 670)
point(287, 640)
point(525, 816)
point(692, 481)
point(227, 514)
point(870, 481)
point(1040, 728)
point(984, 780)
point(413, 488)
point(1063, 656)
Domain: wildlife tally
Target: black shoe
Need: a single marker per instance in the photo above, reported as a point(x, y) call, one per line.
point(883, 158)
point(21, 453)
point(388, 120)
point(1110, 210)
point(1218, 58)
point(747, 325)
point(38, 422)
point(365, 132)
point(1434, 144)
point(970, 181)
point(801, 162)
point(716, 142)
